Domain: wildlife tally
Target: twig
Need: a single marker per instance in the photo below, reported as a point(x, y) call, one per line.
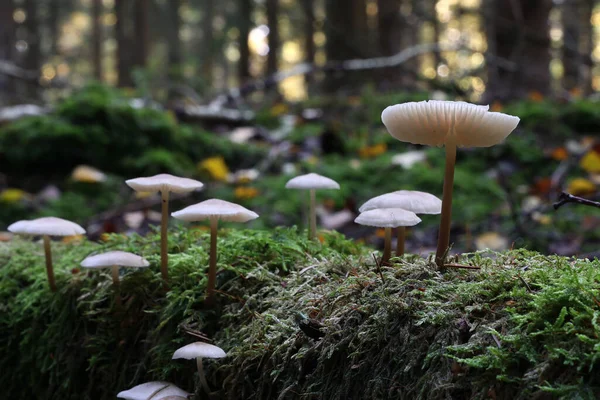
point(461, 266)
point(379, 268)
point(569, 198)
point(526, 284)
point(195, 333)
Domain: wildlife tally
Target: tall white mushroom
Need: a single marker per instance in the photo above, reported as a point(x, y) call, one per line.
point(199, 350)
point(449, 123)
point(312, 182)
point(114, 260)
point(387, 218)
point(46, 227)
point(164, 183)
point(157, 390)
point(410, 200)
point(214, 210)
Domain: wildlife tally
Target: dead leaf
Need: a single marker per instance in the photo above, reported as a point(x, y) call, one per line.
point(581, 186)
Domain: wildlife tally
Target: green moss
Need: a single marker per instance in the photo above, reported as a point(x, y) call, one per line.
point(523, 326)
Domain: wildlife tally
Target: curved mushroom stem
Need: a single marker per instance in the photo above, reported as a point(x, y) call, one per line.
point(387, 247)
point(49, 269)
point(212, 268)
point(312, 218)
point(164, 222)
point(400, 241)
point(203, 381)
point(116, 283)
point(444, 233)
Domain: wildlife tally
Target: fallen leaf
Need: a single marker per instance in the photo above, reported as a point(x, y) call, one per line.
point(13, 195)
point(216, 168)
point(581, 186)
point(491, 240)
point(559, 154)
point(87, 174)
point(591, 162)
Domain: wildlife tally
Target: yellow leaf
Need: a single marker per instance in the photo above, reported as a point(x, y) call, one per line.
point(245, 192)
point(73, 239)
point(579, 186)
point(216, 168)
point(591, 162)
point(13, 195)
point(87, 174)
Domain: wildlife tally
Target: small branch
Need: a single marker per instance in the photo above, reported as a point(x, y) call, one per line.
point(461, 266)
point(569, 198)
point(379, 269)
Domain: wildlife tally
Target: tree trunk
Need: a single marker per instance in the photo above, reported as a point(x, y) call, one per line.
point(272, 22)
point(174, 43)
point(244, 15)
point(571, 38)
point(97, 38)
point(142, 32)
point(124, 54)
point(309, 30)
point(7, 45)
point(587, 46)
point(53, 25)
point(518, 31)
point(32, 60)
point(208, 40)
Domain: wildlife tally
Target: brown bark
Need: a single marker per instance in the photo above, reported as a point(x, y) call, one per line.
point(517, 30)
point(587, 46)
point(571, 38)
point(273, 23)
point(244, 16)
point(174, 43)
point(208, 40)
point(7, 45)
point(124, 56)
point(309, 30)
point(142, 32)
point(389, 26)
point(97, 38)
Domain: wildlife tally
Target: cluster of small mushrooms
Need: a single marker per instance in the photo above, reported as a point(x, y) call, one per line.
point(434, 123)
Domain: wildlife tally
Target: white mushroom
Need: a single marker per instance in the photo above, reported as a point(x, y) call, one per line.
point(410, 200)
point(199, 350)
point(153, 391)
point(114, 260)
point(449, 123)
point(214, 210)
point(387, 218)
point(164, 183)
point(312, 182)
point(46, 227)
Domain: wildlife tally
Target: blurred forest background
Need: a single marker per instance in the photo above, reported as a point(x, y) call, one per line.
point(243, 94)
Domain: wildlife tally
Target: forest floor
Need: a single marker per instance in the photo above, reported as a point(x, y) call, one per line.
point(300, 319)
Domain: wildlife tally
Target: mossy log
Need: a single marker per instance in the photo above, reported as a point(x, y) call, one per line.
point(301, 319)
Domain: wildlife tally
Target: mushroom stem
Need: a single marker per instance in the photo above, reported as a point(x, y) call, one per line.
point(400, 241)
point(203, 381)
point(164, 222)
point(212, 268)
point(116, 283)
point(387, 247)
point(49, 269)
point(444, 233)
point(312, 217)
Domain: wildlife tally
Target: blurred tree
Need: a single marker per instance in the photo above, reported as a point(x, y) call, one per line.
point(7, 45)
point(389, 24)
point(142, 32)
point(309, 30)
point(517, 31)
point(209, 40)
point(587, 45)
point(571, 12)
point(33, 56)
point(124, 53)
point(273, 24)
point(245, 21)
point(173, 41)
point(97, 38)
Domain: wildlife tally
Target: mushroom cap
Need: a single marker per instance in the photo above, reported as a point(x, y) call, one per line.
point(164, 182)
point(199, 349)
point(108, 259)
point(152, 390)
point(50, 226)
point(387, 218)
point(312, 181)
point(410, 200)
point(215, 208)
point(432, 122)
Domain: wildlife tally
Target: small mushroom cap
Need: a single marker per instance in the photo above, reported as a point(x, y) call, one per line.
point(387, 218)
point(312, 181)
point(152, 391)
point(199, 349)
point(432, 122)
point(215, 208)
point(410, 200)
point(164, 182)
point(108, 259)
point(50, 226)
